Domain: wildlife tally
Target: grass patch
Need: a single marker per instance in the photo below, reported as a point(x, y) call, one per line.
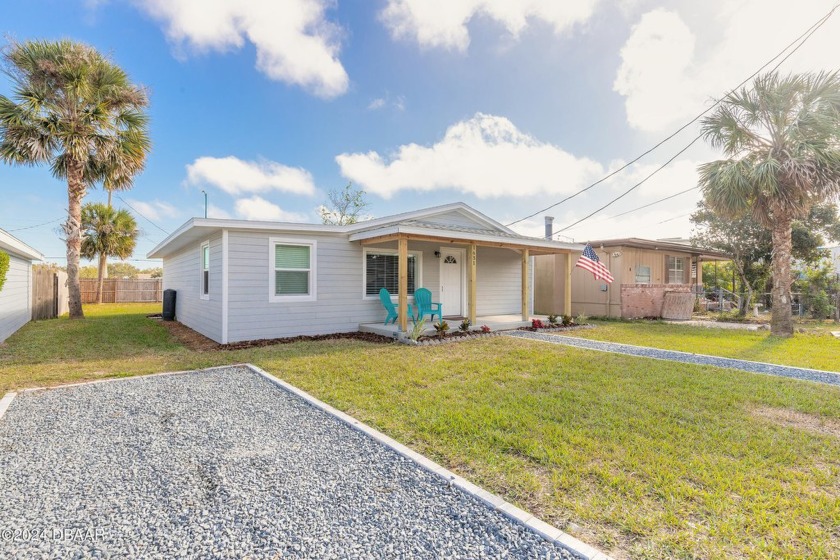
point(816, 349)
point(643, 458)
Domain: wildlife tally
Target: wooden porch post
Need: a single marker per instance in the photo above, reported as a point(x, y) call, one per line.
point(567, 292)
point(471, 282)
point(525, 314)
point(402, 306)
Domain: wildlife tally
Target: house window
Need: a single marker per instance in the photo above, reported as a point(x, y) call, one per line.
point(642, 275)
point(205, 270)
point(292, 270)
point(676, 270)
point(382, 271)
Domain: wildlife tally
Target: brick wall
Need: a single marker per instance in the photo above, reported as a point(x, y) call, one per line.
point(646, 300)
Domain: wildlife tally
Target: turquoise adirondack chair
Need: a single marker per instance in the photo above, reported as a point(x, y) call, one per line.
point(425, 306)
point(385, 298)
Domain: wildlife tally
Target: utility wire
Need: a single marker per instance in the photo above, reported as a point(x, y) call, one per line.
point(675, 218)
point(36, 225)
point(634, 187)
point(655, 202)
point(807, 36)
point(142, 216)
point(803, 38)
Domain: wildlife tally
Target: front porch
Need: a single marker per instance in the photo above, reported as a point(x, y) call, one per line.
point(481, 275)
point(495, 322)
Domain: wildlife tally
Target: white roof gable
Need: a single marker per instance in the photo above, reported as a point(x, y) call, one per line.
point(456, 219)
point(13, 245)
point(456, 214)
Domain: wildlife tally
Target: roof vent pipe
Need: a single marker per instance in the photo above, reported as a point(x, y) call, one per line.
point(549, 227)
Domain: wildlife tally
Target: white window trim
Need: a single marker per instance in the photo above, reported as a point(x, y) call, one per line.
point(669, 269)
point(313, 274)
point(201, 293)
point(418, 256)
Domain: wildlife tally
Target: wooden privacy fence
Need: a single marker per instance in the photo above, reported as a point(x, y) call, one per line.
point(123, 290)
point(49, 293)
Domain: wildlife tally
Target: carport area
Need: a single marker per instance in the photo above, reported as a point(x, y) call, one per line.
point(224, 463)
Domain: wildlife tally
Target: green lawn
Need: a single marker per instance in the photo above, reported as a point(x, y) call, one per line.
point(816, 348)
point(643, 458)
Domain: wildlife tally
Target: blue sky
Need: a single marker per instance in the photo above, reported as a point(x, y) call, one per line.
point(507, 105)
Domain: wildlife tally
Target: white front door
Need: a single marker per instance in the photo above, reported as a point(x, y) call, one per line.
point(452, 281)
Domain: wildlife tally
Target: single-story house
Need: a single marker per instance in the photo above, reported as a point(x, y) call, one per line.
point(644, 271)
point(239, 280)
point(16, 294)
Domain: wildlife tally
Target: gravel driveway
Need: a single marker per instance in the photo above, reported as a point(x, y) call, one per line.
point(223, 464)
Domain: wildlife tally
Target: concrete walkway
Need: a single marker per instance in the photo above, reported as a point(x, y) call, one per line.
point(828, 377)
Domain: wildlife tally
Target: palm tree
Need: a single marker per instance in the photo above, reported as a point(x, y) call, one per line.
point(107, 233)
point(781, 138)
point(77, 111)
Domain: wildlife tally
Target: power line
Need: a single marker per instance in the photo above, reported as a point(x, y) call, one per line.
point(634, 187)
point(655, 202)
point(675, 218)
point(807, 36)
point(142, 216)
point(36, 225)
point(803, 38)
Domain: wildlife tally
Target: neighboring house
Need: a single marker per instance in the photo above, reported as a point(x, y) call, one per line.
point(16, 295)
point(644, 272)
point(835, 258)
point(241, 280)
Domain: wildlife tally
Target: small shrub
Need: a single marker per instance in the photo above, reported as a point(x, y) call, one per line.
point(821, 306)
point(552, 320)
point(417, 329)
point(537, 324)
point(568, 321)
point(441, 328)
point(485, 329)
point(465, 325)
point(582, 319)
point(4, 267)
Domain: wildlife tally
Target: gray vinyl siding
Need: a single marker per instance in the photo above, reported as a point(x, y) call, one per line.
point(498, 281)
point(340, 304)
point(15, 297)
point(181, 272)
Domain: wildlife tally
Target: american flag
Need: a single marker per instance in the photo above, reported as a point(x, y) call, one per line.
point(590, 261)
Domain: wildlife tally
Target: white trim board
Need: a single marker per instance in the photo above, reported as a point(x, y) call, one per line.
point(225, 297)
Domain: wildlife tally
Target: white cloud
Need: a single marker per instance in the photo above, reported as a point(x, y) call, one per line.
point(675, 62)
point(154, 210)
point(397, 103)
point(295, 43)
point(486, 156)
point(256, 208)
point(443, 23)
point(214, 211)
point(377, 103)
point(236, 176)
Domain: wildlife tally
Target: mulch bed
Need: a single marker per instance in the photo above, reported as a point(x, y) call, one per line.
point(198, 342)
point(559, 328)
